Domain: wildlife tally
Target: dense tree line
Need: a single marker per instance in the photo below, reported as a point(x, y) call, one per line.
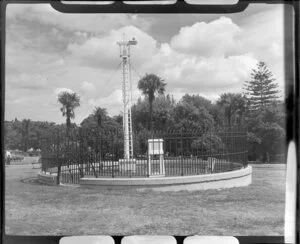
point(26, 134)
point(257, 110)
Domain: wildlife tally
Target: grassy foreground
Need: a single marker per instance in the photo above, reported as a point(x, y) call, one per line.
point(34, 209)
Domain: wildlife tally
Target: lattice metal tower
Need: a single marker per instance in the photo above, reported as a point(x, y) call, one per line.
point(127, 96)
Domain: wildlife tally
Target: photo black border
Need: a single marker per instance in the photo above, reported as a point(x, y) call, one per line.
point(291, 85)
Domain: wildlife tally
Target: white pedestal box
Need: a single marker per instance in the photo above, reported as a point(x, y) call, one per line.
point(155, 147)
point(127, 165)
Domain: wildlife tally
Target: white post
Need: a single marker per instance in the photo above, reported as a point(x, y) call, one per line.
point(149, 164)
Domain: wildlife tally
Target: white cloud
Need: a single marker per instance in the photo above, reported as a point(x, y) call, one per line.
point(81, 34)
point(99, 23)
point(87, 86)
point(114, 101)
point(27, 81)
point(276, 49)
point(59, 62)
point(262, 31)
point(212, 73)
point(264, 38)
point(206, 58)
point(220, 55)
point(207, 39)
point(19, 59)
point(103, 51)
point(59, 90)
point(199, 74)
point(179, 93)
point(17, 101)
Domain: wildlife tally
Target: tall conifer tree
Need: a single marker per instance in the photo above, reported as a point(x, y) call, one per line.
point(261, 90)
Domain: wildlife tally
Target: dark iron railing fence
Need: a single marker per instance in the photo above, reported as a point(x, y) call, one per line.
point(96, 153)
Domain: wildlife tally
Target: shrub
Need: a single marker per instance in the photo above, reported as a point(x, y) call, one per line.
point(16, 158)
point(209, 144)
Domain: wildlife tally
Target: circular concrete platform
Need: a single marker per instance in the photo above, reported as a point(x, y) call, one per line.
point(237, 178)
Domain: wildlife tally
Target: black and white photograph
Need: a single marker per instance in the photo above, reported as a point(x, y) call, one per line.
point(144, 124)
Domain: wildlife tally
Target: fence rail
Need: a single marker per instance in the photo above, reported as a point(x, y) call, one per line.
point(79, 153)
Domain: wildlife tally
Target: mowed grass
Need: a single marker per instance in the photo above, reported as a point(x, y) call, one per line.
point(34, 209)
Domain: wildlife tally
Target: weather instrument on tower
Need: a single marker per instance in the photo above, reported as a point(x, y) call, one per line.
point(127, 96)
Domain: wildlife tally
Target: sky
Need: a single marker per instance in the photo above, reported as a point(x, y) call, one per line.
point(48, 52)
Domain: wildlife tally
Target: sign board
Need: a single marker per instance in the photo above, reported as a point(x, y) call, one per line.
point(155, 147)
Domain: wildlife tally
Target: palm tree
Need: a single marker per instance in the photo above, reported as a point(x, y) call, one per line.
point(234, 106)
point(69, 102)
point(100, 114)
point(151, 85)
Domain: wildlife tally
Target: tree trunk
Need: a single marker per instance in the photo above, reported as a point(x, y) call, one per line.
point(26, 144)
point(151, 118)
point(68, 121)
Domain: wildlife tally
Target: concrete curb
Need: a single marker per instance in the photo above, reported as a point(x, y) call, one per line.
point(47, 179)
point(242, 177)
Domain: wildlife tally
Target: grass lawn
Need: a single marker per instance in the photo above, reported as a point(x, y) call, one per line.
point(34, 209)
